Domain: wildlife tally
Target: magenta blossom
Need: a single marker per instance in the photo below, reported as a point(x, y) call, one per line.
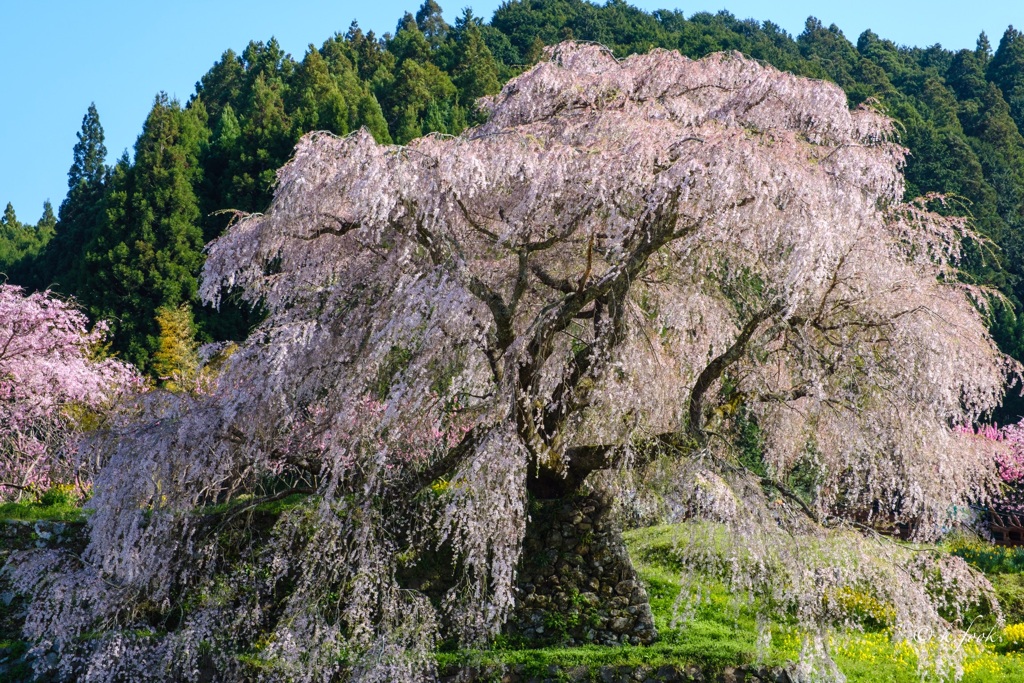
point(1010, 459)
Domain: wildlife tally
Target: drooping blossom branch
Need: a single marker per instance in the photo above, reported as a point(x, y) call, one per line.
point(620, 256)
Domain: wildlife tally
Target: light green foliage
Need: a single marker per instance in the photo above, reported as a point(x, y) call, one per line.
point(866, 655)
point(371, 117)
point(61, 503)
point(176, 360)
point(991, 559)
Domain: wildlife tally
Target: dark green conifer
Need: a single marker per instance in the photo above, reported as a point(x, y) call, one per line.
point(828, 50)
point(9, 222)
point(432, 24)
point(317, 102)
point(1006, 70)
point(475, 69)
point(222, 84)
point(371, 117)
point(983, 48)
point(47, 224)
point(81, 212)
point(90, 153)
point(150, 251)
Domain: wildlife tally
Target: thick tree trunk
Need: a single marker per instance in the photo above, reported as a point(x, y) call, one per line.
point(576, 582)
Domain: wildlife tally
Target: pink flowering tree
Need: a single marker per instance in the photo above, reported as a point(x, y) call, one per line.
point(626, 255)
point(50, 382)
point(1007, 446)
point(1011, 463)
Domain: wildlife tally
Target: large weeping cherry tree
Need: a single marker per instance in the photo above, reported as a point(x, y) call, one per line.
point(623, 258)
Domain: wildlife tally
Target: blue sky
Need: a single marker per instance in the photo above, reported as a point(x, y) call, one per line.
point(57, 56)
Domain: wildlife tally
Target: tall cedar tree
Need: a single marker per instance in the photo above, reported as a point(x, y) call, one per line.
point(150, 251)
point(475, 71)
point(1006, 69)
point(81, 214)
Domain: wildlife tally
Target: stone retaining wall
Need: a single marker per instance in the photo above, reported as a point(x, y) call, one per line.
point(576, 583)
point(25, 535)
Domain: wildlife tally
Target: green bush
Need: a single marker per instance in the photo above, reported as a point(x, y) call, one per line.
point(988, 558)
point(59, 495)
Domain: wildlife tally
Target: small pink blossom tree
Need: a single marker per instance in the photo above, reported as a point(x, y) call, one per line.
point(50, 380)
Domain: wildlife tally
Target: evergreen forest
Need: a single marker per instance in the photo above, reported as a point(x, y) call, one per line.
point(127, 240)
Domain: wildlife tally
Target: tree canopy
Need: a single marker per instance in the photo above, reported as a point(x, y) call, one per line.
point(623, 259)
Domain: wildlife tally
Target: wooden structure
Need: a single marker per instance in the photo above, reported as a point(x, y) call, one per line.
point(1006, 519)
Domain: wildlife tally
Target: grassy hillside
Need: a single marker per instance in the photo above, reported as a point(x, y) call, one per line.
point(722, 631)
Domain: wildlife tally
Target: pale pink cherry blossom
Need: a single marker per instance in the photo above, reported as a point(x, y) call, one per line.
point(621, 253)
